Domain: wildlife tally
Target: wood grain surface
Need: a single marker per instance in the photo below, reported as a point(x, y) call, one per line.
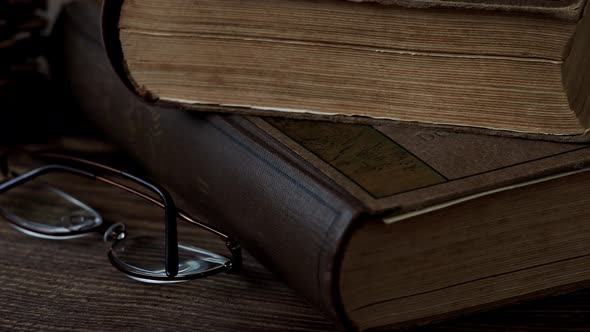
point(71, 286)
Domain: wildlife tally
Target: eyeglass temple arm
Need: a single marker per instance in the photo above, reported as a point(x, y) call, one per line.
point(181, 214)
point(171, 238)
point(232, 245)
point(32, 174)
point(167, 203)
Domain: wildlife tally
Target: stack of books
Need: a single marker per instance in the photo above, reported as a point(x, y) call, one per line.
point(397, 163)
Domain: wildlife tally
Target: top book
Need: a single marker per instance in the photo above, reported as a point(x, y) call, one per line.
point(511, 67)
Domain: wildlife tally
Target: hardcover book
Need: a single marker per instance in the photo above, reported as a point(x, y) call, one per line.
point(517, 68)
point(378, 226)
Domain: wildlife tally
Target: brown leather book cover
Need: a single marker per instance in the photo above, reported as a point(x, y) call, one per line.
point(293, 191)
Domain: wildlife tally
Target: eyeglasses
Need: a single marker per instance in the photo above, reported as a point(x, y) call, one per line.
point(143, 258)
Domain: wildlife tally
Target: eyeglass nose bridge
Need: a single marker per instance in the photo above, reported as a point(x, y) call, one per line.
point(115, 232)
point(235, 264)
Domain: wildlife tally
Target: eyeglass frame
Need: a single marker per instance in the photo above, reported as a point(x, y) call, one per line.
point(166, 202)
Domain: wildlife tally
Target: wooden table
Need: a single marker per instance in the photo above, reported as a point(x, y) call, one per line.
point(50, 285)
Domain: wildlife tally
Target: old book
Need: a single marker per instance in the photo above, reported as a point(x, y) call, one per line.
point(520, 67)
point(376, 226)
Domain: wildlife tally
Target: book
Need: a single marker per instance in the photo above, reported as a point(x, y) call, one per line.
point(517, 68)
point(377, 226)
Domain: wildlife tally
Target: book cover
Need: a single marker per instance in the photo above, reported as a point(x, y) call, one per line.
point(502, 219)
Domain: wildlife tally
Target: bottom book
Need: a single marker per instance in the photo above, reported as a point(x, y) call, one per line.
point(377, 226)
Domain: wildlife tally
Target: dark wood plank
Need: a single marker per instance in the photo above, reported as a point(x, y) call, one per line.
point(71, 286)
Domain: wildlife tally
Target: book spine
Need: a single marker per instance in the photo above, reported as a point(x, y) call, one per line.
point(226, 170)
